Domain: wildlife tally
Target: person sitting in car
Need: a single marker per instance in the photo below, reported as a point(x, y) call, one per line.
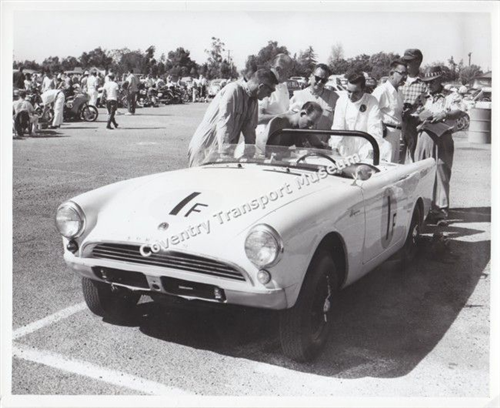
point(306, 118)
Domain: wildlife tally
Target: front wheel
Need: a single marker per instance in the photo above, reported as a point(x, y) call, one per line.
point(104, 302)
point(89, 113)
point(305, 327)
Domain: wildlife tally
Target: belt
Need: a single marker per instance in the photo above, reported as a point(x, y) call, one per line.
point(393, 126)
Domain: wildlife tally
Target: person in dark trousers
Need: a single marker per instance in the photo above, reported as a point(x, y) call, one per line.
point(132, 89)
point(110, 91)
point(412, 89)
point(19, 78)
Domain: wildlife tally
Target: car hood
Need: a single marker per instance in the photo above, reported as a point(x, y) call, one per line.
point(224, 200)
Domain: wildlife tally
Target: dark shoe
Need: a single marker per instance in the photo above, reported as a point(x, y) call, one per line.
point(109, 127)
point(116, 125)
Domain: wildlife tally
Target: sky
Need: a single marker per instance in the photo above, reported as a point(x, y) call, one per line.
point(40, 34)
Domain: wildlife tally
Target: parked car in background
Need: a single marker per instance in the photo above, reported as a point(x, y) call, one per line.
point(293, 86)
point(215, 86)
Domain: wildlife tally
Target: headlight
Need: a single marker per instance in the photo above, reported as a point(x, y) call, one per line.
point(263, 246)
point(70, 220)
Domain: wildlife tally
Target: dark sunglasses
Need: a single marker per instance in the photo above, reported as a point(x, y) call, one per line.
point(320, 80)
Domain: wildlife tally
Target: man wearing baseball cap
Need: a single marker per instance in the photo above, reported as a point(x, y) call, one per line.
point(435, 139)
point(412, 89)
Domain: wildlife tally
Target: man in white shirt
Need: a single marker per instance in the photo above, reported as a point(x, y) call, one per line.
point(357, 110)
point(48, 82)
point(316, 92)
point(279, 101)
point(390, 102)
point(92, 88)
point(56, 97)
point(110, 91)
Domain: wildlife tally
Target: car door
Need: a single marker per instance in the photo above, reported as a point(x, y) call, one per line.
point(385, 202)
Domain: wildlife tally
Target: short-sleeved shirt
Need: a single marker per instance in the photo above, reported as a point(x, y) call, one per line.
point(133, 83)
point(327, 100)
point(390, 103)
point(111, 88)
point(412, 89)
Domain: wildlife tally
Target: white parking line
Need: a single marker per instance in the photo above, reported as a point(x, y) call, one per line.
point(85, 369)
point(46, 321)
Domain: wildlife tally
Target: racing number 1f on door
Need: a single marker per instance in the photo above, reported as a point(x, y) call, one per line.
point(382, 223)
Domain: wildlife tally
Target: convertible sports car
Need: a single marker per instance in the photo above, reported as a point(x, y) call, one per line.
point(284, 230)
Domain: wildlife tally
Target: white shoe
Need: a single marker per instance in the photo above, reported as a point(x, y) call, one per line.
point(128, 114)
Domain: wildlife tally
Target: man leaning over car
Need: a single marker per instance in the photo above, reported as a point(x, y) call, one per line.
point(233, 111)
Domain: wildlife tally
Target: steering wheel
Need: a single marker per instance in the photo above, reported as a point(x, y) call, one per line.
point(371, 166)
point(318, 154)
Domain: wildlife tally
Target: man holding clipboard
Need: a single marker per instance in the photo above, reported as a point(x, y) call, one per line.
point(435, 139)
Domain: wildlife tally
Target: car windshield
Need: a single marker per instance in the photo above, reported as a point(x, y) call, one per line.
point(280, 156)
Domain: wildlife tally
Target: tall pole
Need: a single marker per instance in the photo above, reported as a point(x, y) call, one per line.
point(470, 53)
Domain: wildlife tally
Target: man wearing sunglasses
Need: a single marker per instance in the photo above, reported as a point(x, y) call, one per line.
point(316, 92)
point(233, 111)
point(390, 103)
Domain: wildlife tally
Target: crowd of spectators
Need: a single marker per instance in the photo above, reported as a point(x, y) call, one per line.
point(410, 110)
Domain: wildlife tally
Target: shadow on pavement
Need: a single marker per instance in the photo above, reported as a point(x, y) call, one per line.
point(139, 128)
point(41, 134)
point(386, 324)
point(83, 127)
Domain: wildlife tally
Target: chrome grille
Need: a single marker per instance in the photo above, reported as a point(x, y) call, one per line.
point(167, 259)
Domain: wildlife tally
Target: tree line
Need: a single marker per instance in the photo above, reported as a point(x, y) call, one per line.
point(219, 63)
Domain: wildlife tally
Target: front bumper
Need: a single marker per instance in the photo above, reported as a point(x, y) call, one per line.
point(151, 279)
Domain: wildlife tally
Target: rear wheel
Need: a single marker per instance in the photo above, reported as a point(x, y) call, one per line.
point(410, 249)
point(103, 301)
point(305, 327)
point(89, 113)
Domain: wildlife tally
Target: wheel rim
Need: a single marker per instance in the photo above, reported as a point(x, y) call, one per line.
point(89, 114)
point(320, 308)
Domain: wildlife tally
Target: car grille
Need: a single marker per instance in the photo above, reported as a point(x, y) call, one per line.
point(167, 259)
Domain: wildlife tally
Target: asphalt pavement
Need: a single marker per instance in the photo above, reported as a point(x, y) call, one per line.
point(422, 331)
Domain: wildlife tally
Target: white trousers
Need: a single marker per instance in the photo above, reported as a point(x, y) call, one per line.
point(394, 138)
point(93, 94)
point(58, 110)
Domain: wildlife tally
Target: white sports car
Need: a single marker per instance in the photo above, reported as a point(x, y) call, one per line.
point(284, 231)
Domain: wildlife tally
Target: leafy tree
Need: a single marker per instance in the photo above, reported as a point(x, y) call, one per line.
point(380, 64)
point(28, 65)
point(217, 66)
point(336, 54)
point(467, 74)
point(69, 63)
point(179, 63)
point(52, 63)
point(360, 63)
point(305, 62)
point(149, 62)
point(264, 56)
point(339, 67)
point(130, 60)
point(96, 58)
